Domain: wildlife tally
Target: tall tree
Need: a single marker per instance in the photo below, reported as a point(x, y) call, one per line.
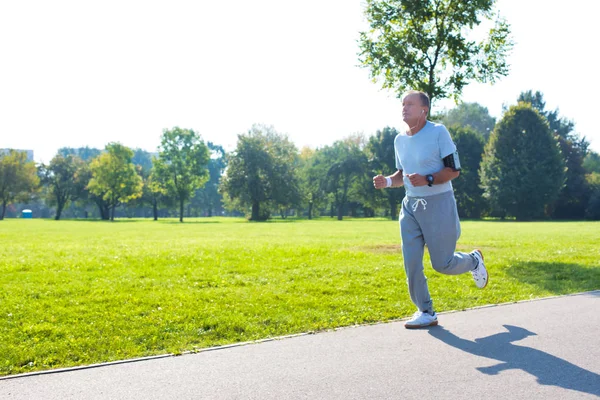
point(18, 178)
point(574, 196)
point(114, 177)
point(470, 115)
point(522, 170)
point(261, 172)
point(181, 166)
point(469, 194)
point(383, 161)
point(425, 45)
point(65, 180)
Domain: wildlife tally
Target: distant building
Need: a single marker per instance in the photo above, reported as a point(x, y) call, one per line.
point(29, 153)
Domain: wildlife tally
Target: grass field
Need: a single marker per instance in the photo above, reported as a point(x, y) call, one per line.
point(82, 292)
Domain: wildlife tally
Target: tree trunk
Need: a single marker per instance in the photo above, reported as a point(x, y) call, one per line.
point(103, 208)
point(340, 212)
point(112, 213)
point(59, 209)
point(155, 210)
point(3, 210)
point(310, 208)
point(255, 211)
point(181, 210)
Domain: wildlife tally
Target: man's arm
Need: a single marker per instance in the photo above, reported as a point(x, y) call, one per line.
point(381, 181)
point(444, 175)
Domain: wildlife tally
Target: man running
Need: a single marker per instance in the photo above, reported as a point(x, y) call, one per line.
point(427, 161)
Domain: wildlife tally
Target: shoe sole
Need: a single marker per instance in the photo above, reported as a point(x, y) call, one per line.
point(486, 270)
point(434, 323)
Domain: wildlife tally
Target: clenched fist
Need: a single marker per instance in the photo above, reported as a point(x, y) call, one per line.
point(379, 182)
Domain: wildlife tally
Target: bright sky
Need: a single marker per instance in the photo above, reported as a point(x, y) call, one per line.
point(82, 73)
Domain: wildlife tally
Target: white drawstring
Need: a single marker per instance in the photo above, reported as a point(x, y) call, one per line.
point(416, 204)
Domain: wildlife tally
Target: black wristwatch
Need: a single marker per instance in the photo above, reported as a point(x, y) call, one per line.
point(429, 178)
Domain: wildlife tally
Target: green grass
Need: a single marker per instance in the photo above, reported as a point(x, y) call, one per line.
point(82, 292)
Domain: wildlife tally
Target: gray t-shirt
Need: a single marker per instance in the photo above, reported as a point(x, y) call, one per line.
point(422, 153)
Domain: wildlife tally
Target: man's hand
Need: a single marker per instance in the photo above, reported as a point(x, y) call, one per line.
point(417, 180)
point(379, 182)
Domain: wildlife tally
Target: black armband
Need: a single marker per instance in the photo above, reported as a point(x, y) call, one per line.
point(452, 161)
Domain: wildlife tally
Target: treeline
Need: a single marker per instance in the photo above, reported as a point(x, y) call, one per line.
point(529, 165)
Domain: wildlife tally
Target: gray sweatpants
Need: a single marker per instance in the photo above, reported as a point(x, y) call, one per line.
point(431, 220)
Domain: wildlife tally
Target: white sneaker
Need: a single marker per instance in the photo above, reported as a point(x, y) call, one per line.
point(480, 274)
point(421, 320)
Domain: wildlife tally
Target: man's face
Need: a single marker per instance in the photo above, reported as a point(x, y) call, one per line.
point(412, 109)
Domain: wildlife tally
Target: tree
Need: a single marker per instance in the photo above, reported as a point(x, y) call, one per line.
point(65, 179)
point(469, 194)
point(114, 177)
point(209, 197)
point(154, 193)
point(522, 170)
point(383, 161)
point(470, 115)
point(347, 163)
point(591, 162)
point(574, 196)
point(593, 208)
point(310, 172)
point(181, 164)
point(85, 153)
point(424, 45)
point(262, 172)
point(18, 178)
point(143, 159)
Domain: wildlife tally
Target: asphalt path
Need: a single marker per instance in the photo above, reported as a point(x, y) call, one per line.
point(541, 349)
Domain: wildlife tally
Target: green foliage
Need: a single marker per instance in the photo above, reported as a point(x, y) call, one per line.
point(467, 190)
point(559, 126)
point(591, 162)
point(143, 159)
point(262, 173)
point(382, 160)
point(208, 197)
point(522, 170)
point(423, 45)
point(80, 292)
point(573, 197)
point(181, 164)
point(312, 168)
point(65, 179)
point(470, 115)
point(593, 208)
point(18, 178)
point(85, 153)
point(346, 164)
point(114, 177)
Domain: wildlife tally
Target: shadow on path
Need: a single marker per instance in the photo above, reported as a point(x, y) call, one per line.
point(548, 369)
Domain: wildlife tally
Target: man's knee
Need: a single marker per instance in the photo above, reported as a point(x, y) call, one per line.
point(442, 266)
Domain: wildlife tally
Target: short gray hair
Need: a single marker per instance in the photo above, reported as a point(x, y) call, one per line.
point(422, 95)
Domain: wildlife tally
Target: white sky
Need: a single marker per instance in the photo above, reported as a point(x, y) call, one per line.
point(83, 73)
